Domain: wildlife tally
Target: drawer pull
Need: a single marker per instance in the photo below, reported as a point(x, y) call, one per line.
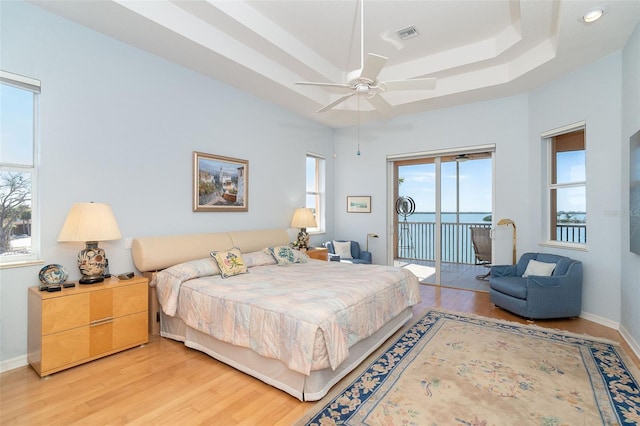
point(101, 321)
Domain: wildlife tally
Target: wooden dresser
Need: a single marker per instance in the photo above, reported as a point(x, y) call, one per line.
point(79, 324)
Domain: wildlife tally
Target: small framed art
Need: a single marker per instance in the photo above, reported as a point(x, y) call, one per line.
point(220, 184)
point(359, 204)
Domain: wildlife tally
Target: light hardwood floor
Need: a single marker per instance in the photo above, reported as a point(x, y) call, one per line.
point(167, 383)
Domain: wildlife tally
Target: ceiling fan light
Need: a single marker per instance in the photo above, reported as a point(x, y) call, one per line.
point(593, 15)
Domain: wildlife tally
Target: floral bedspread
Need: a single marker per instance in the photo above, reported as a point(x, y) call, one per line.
point(306, 315)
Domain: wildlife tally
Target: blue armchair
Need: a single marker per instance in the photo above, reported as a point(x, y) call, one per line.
point(537, 296)
point(357, 255)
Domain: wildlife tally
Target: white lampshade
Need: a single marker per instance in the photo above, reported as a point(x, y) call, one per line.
point(303, 218)
point(90, 222)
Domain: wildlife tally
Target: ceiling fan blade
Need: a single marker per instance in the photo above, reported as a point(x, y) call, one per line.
point(380, 104)
point(329, 85)
point(411, 84)
point(372, 66)
point(336, 102)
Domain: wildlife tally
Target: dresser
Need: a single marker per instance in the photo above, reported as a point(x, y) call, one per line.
point(86, 322)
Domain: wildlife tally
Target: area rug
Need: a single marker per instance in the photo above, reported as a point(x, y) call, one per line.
point(456, 369)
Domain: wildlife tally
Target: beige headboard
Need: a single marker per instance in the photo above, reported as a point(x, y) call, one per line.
point(156, 253)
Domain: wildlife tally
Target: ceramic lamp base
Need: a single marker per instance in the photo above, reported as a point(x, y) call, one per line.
point(303, 239)
point(91, 262)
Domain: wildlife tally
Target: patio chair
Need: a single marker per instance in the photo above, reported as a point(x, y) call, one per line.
point(481, 241)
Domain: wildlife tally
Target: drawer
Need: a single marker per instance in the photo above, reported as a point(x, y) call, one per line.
point(63, 313)
point(130, 330)
point(64, 348)
point(130, 299)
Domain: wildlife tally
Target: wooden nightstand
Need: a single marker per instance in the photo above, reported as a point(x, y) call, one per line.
point(320, 253)
point(86, 322)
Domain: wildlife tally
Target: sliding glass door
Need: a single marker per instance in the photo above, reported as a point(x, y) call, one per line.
point(452, 193)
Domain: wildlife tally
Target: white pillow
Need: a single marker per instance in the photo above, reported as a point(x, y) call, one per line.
point(342, 249)
point(539, 268)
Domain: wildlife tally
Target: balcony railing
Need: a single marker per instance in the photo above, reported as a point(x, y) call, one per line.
point(416, 240)
point(574, 233)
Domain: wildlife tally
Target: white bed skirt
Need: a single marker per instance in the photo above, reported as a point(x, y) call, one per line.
point(274, 372)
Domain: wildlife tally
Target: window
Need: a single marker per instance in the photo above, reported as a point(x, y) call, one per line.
point(567, 187)
point(18, 121)
point(315, 190)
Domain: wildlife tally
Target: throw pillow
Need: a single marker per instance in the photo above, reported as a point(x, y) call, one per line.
point(284, 255)
point(258, 258)
point(539, 268)
point(300, 257)
point(342, 249)
point(230, 262)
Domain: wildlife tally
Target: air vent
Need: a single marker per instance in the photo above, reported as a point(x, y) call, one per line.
point(407, 33)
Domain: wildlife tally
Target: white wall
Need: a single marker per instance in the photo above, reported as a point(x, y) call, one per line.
point(119, 126)
point(630, 289)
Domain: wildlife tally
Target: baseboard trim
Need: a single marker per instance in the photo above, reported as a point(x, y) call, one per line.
point(635, 347)
point(10, 364)
point(600, 320)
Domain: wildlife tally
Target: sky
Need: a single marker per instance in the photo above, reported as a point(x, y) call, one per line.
point(475, 185)
point(16, 125)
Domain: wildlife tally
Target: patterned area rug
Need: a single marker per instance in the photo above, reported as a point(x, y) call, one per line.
point(454, 369)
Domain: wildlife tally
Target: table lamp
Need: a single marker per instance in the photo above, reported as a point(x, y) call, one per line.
point(90, 222)
point(303, 219)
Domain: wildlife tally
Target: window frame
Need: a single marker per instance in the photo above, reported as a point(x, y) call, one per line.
point(33, 86)
point(318, 193)
point(549, 208)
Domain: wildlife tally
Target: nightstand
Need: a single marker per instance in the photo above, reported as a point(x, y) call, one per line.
point(319, 253)
point(86, 322)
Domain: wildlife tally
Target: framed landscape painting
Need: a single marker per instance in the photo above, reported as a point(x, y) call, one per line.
point(220, 184)
point(359, 204)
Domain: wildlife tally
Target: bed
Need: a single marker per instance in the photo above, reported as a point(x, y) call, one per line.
point(299, 325)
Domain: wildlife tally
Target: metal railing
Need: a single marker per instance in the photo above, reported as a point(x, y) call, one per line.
point(573, 233)
point(416, 240)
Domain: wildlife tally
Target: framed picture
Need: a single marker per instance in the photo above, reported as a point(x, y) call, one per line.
point(220, 184)
point(360, 204)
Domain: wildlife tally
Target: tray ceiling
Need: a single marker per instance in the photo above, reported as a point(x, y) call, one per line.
point(477, 49)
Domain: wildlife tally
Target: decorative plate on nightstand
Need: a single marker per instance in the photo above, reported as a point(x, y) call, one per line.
point(53, 274)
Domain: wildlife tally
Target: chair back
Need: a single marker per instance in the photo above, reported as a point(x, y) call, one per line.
point(563, 263)
point(481, 240)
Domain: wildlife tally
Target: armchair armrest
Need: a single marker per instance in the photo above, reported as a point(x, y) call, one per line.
point(365, 255)
point(566, 288)
point(503, 271)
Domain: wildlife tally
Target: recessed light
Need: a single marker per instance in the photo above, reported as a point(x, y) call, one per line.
point(593, 15)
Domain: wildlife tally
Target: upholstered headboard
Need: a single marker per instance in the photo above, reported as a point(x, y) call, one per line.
point(156, 253)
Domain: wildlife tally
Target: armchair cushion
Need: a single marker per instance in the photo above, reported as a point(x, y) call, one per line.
point(343, 249)
point(539, 268)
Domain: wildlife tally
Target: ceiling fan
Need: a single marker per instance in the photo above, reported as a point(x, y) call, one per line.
point(365, 80)
point(461, 158)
